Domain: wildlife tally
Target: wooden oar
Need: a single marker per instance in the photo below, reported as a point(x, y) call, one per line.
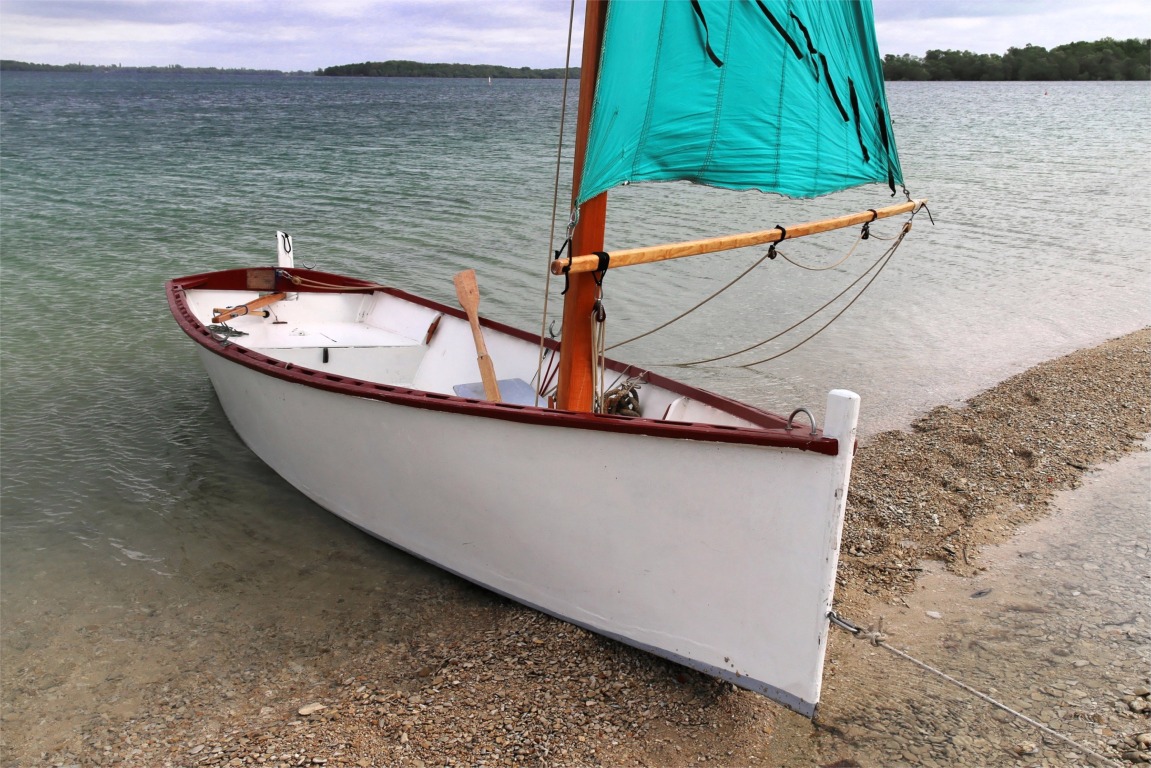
point(469, 295)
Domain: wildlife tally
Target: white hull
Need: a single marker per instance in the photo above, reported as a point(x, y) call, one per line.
point(720, 555)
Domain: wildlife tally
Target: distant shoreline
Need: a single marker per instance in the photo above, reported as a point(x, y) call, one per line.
point(367, 69)
point(1106, 59)
point(8, 65)
point(419, 69)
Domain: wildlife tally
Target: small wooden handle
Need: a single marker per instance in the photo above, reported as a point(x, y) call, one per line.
point(468, 293)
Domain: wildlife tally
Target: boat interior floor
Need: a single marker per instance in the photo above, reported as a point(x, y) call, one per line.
point(382, 338)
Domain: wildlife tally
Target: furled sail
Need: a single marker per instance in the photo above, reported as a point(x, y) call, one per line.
point(777, 95)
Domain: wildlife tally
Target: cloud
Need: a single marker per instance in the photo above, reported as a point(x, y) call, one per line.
point(308, 34)
point(291, 34)
point(993, 26)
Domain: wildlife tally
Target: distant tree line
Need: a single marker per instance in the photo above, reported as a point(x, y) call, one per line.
point(8, 65)
point(419, 69)
point(1106, 59)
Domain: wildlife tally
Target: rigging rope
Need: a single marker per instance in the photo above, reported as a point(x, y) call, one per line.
point(881, 262)
point(846, 256)
point(877, 638)
point(599, 337)
point(697, 306)
point(555, 203)
point(771, 253)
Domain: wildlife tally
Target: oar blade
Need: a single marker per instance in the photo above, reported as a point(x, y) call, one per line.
point(468, 293)
point(467, 290)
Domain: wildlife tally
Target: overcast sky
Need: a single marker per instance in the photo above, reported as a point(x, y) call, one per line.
point(308, 34)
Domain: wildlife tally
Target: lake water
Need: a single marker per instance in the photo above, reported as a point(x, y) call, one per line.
point(127, 498)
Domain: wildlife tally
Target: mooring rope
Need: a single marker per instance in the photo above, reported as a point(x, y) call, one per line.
point(555, 202)
point(877, 638)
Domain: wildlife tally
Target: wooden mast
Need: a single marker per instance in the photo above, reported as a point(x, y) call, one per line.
point(575, 389)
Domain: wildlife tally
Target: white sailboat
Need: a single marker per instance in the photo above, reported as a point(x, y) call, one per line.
point(672, 519)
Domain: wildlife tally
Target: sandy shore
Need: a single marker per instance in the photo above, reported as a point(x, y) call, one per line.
point(963, 477)
point(456, 676)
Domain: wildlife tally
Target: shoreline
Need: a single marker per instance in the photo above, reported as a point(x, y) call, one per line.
point(451, 674)
point(963, 477)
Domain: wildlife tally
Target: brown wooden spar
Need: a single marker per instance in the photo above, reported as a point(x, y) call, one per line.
point(227, 313)
point(576, 390)
point(586, 263)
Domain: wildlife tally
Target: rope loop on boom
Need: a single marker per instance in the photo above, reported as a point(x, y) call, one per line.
point(567, 277)
point(600, 270)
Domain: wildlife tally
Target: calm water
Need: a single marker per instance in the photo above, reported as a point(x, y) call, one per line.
point(122, 483)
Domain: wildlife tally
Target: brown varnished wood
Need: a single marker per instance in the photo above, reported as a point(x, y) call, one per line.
point(588, 262)
point(224, 314)
point(576, 390)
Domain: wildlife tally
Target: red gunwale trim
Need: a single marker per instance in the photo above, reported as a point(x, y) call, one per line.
point(772, 432)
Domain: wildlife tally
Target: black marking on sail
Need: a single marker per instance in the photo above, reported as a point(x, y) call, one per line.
point(810, 47)
point(779, 28)
point(886, 144)
point(818, 59)
point(706, 36)
point(831, 86)
point(858, 126)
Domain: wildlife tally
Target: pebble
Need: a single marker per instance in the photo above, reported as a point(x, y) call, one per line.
point(1072, 661)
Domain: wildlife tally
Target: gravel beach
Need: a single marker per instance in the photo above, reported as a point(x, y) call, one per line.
point(456, 676)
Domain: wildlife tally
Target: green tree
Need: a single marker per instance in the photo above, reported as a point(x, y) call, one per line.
point(1106, 59)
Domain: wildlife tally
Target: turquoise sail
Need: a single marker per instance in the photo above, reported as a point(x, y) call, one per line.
point(782, 96)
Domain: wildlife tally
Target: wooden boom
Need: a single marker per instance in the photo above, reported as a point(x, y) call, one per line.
point(646, 255)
